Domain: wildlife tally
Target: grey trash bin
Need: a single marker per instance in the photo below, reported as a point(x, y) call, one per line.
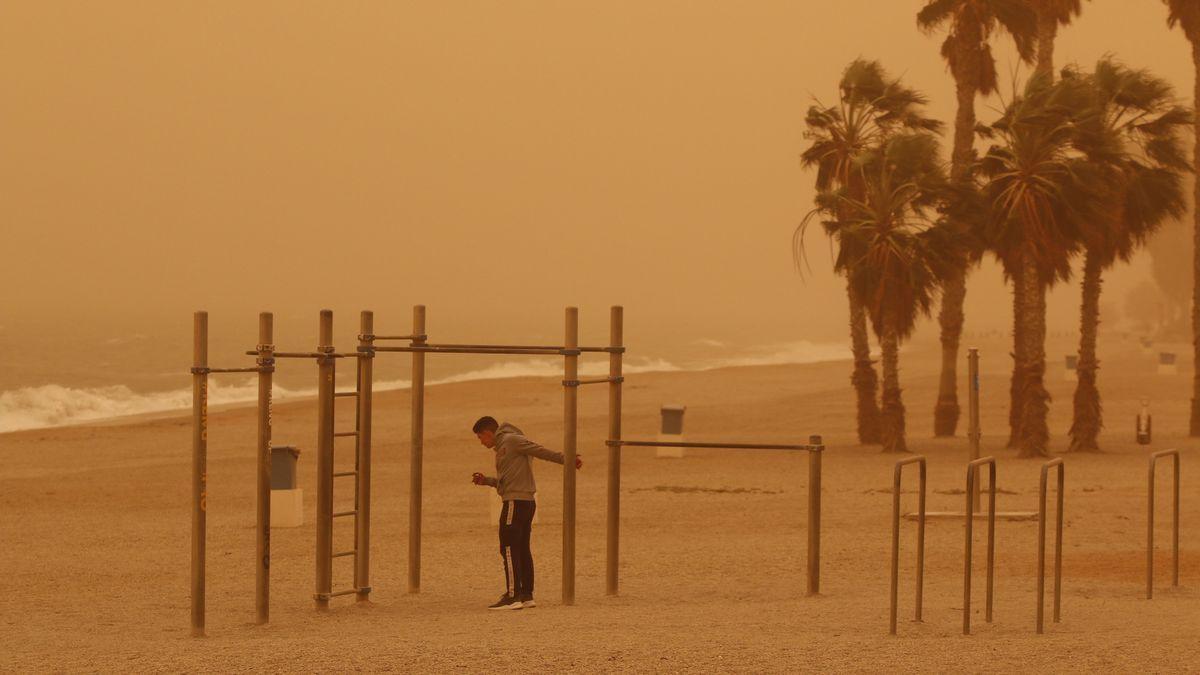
point(287, 500)
point(671, 430)
point(283, 466)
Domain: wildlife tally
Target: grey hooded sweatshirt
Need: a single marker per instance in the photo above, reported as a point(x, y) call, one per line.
point(514, 463)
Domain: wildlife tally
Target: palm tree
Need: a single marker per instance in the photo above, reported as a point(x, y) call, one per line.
point(1050, 15)
point(1131, 126)
point(894, 251)
point(967, 51)
point(1186, 15)
point(871, 106)
point(1039, 190)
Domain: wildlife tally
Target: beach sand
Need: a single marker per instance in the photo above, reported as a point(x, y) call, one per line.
point(96, 522)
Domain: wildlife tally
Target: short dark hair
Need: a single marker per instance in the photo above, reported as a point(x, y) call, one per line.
point(485, 423)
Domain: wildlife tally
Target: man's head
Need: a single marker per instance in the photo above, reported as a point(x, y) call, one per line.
point(485, 429)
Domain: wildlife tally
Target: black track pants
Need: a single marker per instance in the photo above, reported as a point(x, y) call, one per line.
point(516, 523)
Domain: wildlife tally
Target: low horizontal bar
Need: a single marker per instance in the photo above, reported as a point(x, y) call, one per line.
point(393, 337)
point(341, 514)
point(343, 554)
point(594, 380)
point(345, 393)
point(249, 369)
point(343, 434)
point(719, 446)
point(313, 355)
point(618, 350)
point(337, 593)
point(340, 474)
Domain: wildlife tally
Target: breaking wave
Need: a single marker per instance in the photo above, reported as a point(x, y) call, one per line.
point(54, 405)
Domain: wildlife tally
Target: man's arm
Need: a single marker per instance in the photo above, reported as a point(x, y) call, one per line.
point(524, 446)
point(480, 479)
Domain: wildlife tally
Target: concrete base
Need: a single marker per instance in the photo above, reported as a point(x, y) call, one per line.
point(287, 508)
point(669, 452)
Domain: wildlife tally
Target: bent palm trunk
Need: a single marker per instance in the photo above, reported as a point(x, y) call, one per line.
point(864, 379)
point(893, 407)
point(1085, 428)
point(1035, 400)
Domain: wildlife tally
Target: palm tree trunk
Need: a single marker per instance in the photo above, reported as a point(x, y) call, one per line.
point(1035, 400)
point(1194, 426)
point(864, 379)
point(1047, 31)
point(1085, 428)
point(1017, 385)
point(893, 407)
point(954, 294)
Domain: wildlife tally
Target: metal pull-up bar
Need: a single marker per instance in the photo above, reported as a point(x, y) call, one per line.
point(815, 448)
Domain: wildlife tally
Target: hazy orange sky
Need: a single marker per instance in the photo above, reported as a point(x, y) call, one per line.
point(485, 158)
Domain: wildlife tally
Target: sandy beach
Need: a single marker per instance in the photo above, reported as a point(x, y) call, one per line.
point(95, 524)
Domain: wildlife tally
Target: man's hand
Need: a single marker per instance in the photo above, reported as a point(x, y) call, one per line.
point(578, 462)
point(478, 479)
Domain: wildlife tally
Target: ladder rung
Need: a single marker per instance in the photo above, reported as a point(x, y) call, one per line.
point(340, 474)
point(345, 393)
point(339, 514)
point(337, 593)
point(343, 554)
point(345, 433)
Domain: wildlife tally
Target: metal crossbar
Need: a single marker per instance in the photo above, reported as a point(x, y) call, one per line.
point(1055, 463)
point(714, 445)
point(920, 461)
point(1154, 457)
point(972, 472)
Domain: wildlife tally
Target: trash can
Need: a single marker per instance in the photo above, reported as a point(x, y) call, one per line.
point(287, 500)
point(671, 430)
point(1072, 364)
point(1166, 363)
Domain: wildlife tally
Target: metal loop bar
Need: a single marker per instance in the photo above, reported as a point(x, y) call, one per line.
point(342, 434)
point(558, 348)
point(972, 471)
point(340, 474)
point(896, 536)
point(719, 446)
point(342, 514)
point(1154, 457)
point(342, 394)
point(475, 350)
point(1056, 463)
point(207, 371)
point(343, 554)
point(368, 338)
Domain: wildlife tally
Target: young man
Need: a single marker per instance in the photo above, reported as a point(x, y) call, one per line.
point(514, 482)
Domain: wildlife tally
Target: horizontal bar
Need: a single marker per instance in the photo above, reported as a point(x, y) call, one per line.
point(594, 380)
point(199, 370)
point(340, 474)
point(345, 393)
point(719, 446)
point(340, 514)
point(393, 337)
point(474, 350)
point(340, 434)
point(618, 350)
point(343, 554)
point(313, 355)
point(337, 593)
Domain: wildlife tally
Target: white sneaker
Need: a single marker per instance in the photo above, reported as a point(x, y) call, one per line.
point(528, 603)
point(507, 601)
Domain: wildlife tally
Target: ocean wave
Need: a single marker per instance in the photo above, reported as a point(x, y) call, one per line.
point(54, 405)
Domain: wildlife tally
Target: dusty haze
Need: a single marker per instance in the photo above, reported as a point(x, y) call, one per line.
point(494, 160)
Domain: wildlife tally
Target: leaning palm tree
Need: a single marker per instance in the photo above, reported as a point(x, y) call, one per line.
point(871, 106)
point(896, 254)
point(967, 51)
point(1039, 190)
point(1050, 15)
point(1186, 15)
point(1130, 123)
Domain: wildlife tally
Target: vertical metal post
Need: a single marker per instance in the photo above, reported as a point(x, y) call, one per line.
point(325, 391)
point(972, 479)
point(362, 534)
point(613, 519)
point(570, 417)
point(1041, 582)
point(974, 433)
point(199, 464)
point(265, 363)
point(1154, 457)
point(814, 515)
point(920, 461)
point(417, 449)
